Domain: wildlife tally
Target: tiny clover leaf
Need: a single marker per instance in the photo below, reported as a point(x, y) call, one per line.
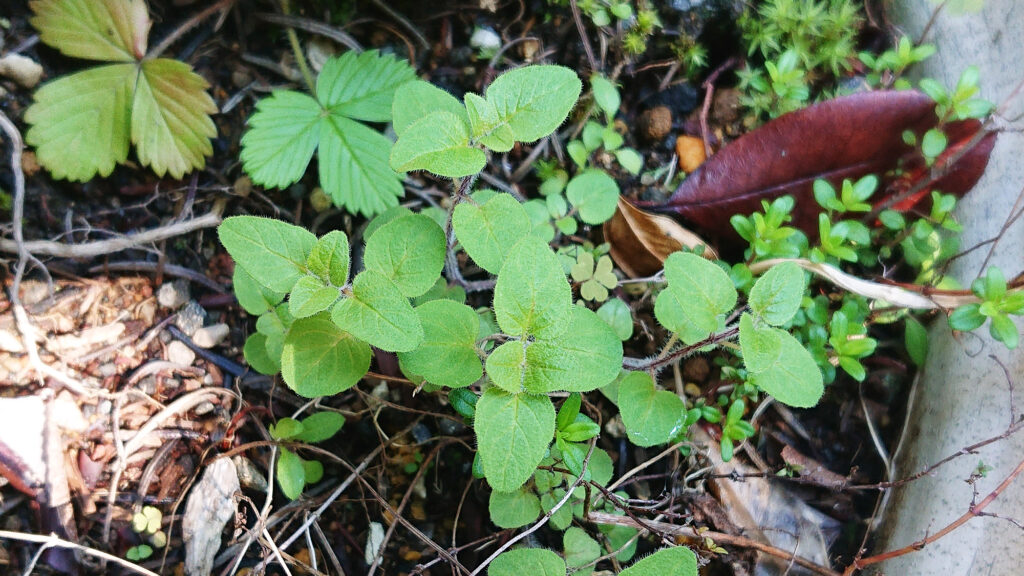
point(289, 126)
point(377, 312)
point(532, 561)
point(409, 251)
point(438, 143)
point(488, 231)
point(148, 520)
point(274, 253)
point(678, 561)
point(320, 359)
point(534, 100)
point(447, 356)
point(291, 473)
point(513, 433)
point(513, 509)
point(531, 295)
point(594, 194)
point(697, 295)
point(650, 416)
point(82, 124)
point(597, 280)
point(417, 99)
point(580, 550)
point(776, 296)
point(778, 364)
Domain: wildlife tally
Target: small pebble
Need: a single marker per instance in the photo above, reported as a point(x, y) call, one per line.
point(179, 353)
point(485, 39)
point(190, 318)
point(22, 69)
point(173, 295)
point(249, 475)
point(210, 336)
point(690, 150)
point(655, 123)
point(148, 385)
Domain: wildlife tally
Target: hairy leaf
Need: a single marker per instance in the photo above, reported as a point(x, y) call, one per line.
point(258, 357)
point(311, 296)
point(282, 136)
point(329, 258)
point(534, 100)
point(447, 356)
point(485, 125)
point(417, 99)
point(650, 416)
point(580, 549)
point(354, 168)
point(532, 561)
point(532, 295)
point(409, 251)
point(487, 232)
point(697, 295)
point(678, 561)
point(513, 509)
point(274, 253)
point(513, 433)
point(438, 143)
point(378, 313)
point(777, 294)
point(594, 194)
point(320, 426)
point(320, 359)
point(362, 85)
point(793, 378)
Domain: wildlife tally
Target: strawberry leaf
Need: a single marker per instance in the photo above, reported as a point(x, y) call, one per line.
point(111, 30)
point(282, 135)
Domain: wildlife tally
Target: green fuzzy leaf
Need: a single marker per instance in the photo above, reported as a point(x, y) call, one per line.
point(793, 378)
point(606, 95)
point(383, 218)
point(915, 338)
point(354, 167)
point(112, 30)
point(523, 561)
point(313, 470)
point(532, 295)
point(408, 251)
point(320, 426)
point(534, 100)
point(438, 143)
point(311, 296)
point(416, 99)
point(507, 366)
point(618, 537)
point(513, 509)
point(320, 359)
point(377, 312)
point(630, 159)
point(291, 474)
point(362, 85)
point(254, 297)
point(591, 354)
point(513, 433)
point(776, 295)
point(447, 356)
point(594, 194)
point(580, 549)
point(285, 428)
point(678, 561)
point(489, 231)
point(329, 258)
point(651, 416)
point(464, 402)
point(616, 314)
point(283, 134)
point(761, 345)
point(274, 253)
point(697, 295)
point(81, 123)
point(257, 356)
point(486, 127)
point(562, 518)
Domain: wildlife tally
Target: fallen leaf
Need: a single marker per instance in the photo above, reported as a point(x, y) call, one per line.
point(640, 241)
point(847, 137)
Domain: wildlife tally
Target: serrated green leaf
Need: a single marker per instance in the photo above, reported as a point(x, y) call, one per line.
point(513, 433)
point(794, 378)
point(532, 561)
point(112, 30)
point(532, 295)
point(320, 426)
point(697, 295)
point(761, 346)
point(580, 549)
point(678, 561)
point(258, 357)
point(81, 123)
point(616, 314)
point(274, 253)
point(282, 136)
point(594, 194)
point(362, 86)
point(534, 100)
point(311, 296)
point(408, 251)
point(320, 359)
point(329, 258)
point(254, 297)
point(447, 356)
point(438, 143)
point(513, 509)
point(285, 428)
point(486, 127)
point(416, 99)
point(776, 295)
point(506, 366)
point(171, 124)
point(354, 168)
point(291, 474)
point(590, 355)
point(377, 312)
point(650, 416)
point(487, 232)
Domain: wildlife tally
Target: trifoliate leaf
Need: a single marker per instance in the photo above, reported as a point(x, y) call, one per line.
point(255, 298)
point(532, 561)
point(534, 100)
point(513, 433)
point(362, 85)
point(171, 125)
point(291, 474)
point(486, 127)
point(417, 99)
point(320, 426)
point(594, 194)
point(320, 359)
point(616, 314)
point(697, 295)
point(794, 378)
point(354, 169)
point(532, 295)
point(311, 296)
point(257, 356)
point(437, 143)
point(776, 295)
point(274, 253)
point(112, 30)
point(283, 133)
point(513, 509)
point(329, 258)
point(377, 312)
point(678, 561)
point(580, 549)
point(650, 416)
point(487, 232)
point(408, 251)
point(447, 356)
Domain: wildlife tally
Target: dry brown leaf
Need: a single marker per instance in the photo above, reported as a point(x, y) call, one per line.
point(641, 241)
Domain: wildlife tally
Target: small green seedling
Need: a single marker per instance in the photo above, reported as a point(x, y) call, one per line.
point(146, 523)
point(997, 305)
point(293, 471)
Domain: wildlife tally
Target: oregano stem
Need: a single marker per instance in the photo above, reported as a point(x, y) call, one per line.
point(300, 58)
point(660, 362)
